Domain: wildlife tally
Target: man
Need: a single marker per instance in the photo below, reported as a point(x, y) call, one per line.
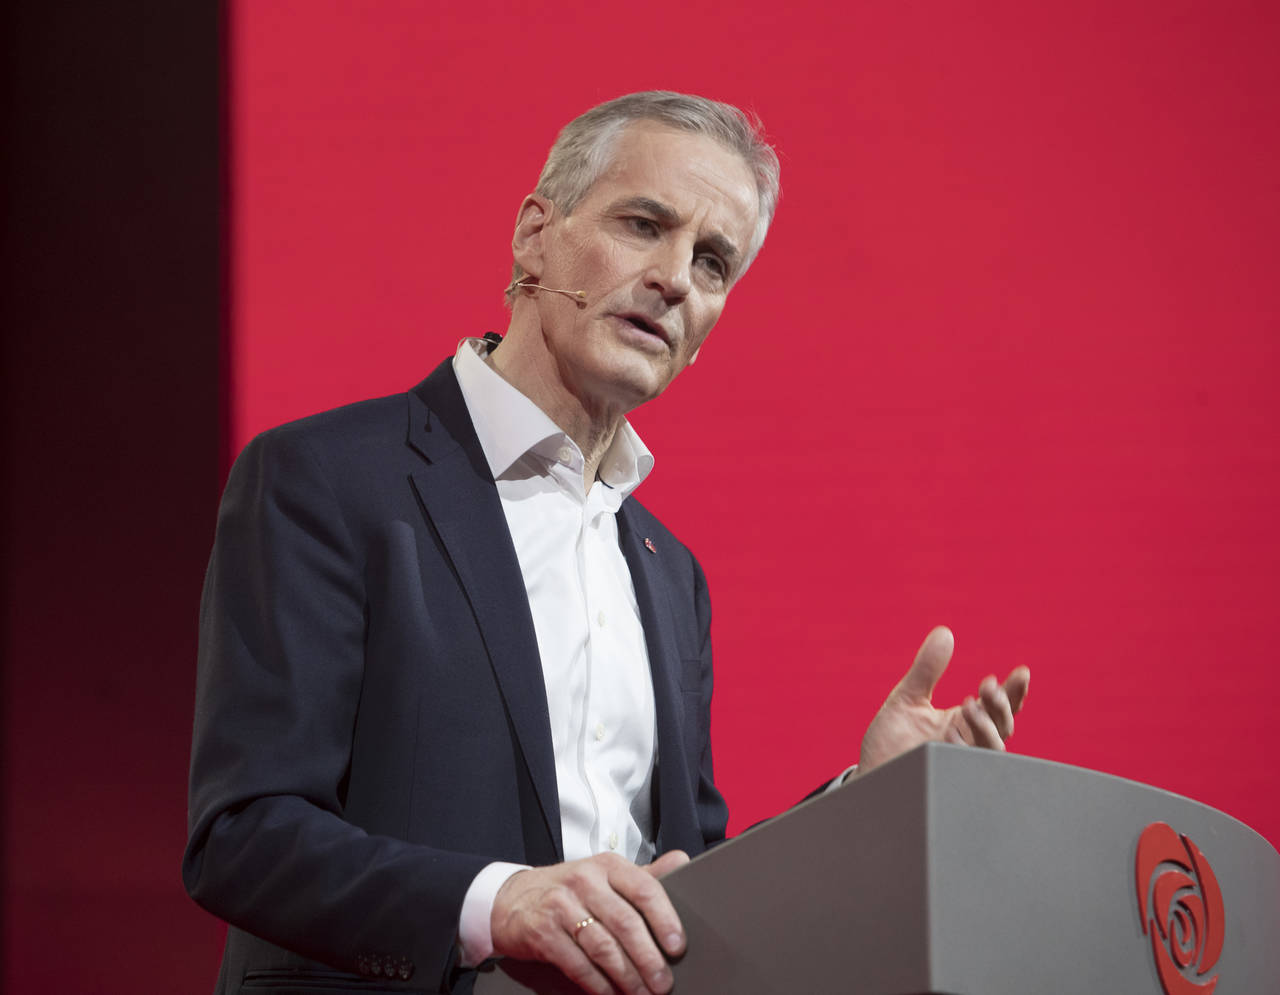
point(455, 683)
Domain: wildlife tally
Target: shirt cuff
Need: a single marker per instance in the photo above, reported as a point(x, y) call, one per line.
point(840, 779)
point(475, 935)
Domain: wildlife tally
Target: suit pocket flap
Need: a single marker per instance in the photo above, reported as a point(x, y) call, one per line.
point(294, 982)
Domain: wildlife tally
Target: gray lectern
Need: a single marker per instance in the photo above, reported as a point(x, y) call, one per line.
point(968, 872)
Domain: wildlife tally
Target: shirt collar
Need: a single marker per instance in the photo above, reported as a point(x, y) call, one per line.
point(509, 425)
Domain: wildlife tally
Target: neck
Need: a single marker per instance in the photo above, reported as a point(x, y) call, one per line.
point(526, 363)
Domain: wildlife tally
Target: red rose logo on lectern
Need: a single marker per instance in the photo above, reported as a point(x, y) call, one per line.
point(1181, 907)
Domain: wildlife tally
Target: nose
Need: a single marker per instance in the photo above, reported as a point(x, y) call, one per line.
point(669, 272)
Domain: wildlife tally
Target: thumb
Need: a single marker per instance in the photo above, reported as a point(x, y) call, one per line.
point(667, 863)
point(930, 662)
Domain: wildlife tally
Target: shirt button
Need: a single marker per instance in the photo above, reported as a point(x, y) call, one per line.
point(613, 841)
point(599, 731)
point(564, 454)
point(600, 619)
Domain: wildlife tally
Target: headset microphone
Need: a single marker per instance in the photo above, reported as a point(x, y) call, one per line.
point(579, 297)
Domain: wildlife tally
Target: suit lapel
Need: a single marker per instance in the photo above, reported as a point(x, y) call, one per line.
point(459, 499)
point(675, 793)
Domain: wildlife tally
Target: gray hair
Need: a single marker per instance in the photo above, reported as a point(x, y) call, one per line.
point(584, 150)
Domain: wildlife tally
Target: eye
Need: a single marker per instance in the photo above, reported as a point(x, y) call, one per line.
point(643, 226)
point(714, 265)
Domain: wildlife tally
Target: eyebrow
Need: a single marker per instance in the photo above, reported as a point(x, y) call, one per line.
point(670, 217)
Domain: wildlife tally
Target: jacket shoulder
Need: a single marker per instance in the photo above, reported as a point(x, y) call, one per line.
point(337, 428)
point(354, 433)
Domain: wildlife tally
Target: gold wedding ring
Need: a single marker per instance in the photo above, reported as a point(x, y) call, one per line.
point(582, 924)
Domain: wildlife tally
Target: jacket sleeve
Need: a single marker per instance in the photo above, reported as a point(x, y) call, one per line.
point(282, 629)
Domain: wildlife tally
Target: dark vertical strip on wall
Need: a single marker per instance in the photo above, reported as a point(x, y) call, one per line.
point(226, 190)
point(110, 303)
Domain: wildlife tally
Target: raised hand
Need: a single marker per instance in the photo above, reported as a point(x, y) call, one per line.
point(908, 717)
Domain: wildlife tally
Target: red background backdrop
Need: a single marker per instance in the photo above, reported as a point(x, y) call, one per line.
point(1006, 362)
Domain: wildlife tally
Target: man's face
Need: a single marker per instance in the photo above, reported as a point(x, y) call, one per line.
point(656, 244)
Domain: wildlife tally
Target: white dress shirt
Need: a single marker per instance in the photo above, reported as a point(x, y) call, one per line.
point(595, 663)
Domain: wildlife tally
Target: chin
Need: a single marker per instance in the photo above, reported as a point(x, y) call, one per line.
point(629, 392)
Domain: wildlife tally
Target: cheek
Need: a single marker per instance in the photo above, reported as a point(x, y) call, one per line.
point(587, 260)
point(609, 261)
point(571, 261)
point(702, 320)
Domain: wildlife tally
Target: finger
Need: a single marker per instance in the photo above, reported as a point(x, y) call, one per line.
point(957, 729)
point(1015, 686)
point(930, 662)
point(623, 946)
point(980, 726)
point(996, 703)
point(566, 954)
point(647, 895)
point(667, 863)
point(607, 952)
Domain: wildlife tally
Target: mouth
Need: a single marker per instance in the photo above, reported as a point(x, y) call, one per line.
point(646, 325)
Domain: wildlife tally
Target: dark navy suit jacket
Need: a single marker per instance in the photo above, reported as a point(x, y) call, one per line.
point(371, 722)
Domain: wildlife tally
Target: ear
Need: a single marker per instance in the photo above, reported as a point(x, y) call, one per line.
point(526, 244)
